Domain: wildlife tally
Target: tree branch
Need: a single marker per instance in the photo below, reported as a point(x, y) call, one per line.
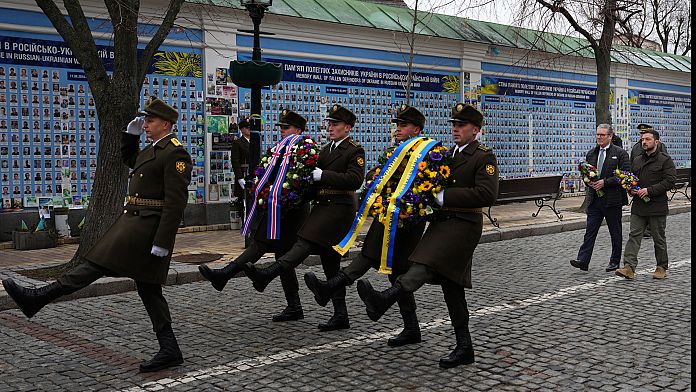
point(563, 11)
point(158, 38)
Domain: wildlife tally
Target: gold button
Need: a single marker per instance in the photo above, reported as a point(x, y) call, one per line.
point(141, 175)
point(136, 195)
point(125, 211)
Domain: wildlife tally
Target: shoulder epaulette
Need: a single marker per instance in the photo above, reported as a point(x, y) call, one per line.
point(483, 148)
point(176, 142)
point(353, 143)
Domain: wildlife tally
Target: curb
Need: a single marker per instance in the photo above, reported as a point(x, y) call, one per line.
point(180, 273)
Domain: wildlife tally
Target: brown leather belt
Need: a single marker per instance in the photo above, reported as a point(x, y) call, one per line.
point(326, 192)
point(465, 210)
point(139, 201)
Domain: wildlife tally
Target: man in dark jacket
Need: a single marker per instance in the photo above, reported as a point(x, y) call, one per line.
point(606, 157)
point(291, 221)
point(339, 172)
point(140, 243)
point(656, 175)
point(240, 165)
point(409, 123)
point(444, 254)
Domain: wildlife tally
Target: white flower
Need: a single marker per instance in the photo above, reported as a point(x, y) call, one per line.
point(428, 210)
point(312, 151)
point(286, 185)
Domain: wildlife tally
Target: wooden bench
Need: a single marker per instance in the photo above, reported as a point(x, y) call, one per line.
point(683, 182)
point(538, 189)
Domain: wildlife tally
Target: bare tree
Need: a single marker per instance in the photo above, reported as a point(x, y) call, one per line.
point(682, 34)
point(636, 30)
point(116, 97)
point(672, 20)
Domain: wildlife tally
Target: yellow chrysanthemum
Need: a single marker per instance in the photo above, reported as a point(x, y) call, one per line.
point(422, 165)
point(425, 186)
point(445, 171)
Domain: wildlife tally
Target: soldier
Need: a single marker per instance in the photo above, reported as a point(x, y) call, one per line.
point(339, 172)
point(240, 163)
point(140, 243)
point(409, 123)
point(291, 221)
point(444, 254)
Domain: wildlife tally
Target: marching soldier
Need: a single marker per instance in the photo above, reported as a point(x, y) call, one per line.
point(140, 243)
point(409, 123)
point(444, 254)
point(291, 221)
point(339, 172)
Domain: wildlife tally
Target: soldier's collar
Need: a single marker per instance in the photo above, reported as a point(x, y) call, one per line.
point(163, 141)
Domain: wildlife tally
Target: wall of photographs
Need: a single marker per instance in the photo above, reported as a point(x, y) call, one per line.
point(49, 127)
point(372, 93)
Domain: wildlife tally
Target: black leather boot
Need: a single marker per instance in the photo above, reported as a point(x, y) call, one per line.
point(323, 290)
point(261, 277)
point(219, 277)
point(411, 332)
point(169, 354)
point(377, 302)
point(339, 320)
point(463, 353)
point(30, 301)
point(293, 311)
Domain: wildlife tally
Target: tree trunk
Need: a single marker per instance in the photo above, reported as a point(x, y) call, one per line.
point(602, 99)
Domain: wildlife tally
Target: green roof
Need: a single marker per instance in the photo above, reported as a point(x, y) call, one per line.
point(365, 14)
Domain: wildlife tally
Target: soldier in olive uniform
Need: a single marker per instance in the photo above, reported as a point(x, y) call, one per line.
point(240, 163)
point(339, 172)
point(409, 123)
point(444, 254)
point(291, 222)
point(139, 244)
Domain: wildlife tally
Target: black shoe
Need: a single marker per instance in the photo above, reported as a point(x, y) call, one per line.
point(323, 290)
point(377, 302)
point(463, 353)
point(261, 277)
point(169, 354)
point(647, 234)
point(411, 333)
point(290, 313)
point(339, 320)
point(30, 301)
point(612, 266)
point(580, 264)
point(219, 277)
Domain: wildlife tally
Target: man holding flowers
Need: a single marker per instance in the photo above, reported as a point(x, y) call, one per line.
point(409, 123)
point(656, 175)
point(339, 172)
point(444, 254)
point(606, 157)
point(294, 211)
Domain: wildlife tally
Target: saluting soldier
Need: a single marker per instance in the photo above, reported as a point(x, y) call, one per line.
point(444, 254)
point(140, 243)
point(409, 123)
point(339, 172)
point(290, 123)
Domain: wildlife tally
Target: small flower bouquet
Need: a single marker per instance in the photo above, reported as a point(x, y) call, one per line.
point(303, 158)
point(590, 174)
point(629, 181)
point(419, 201)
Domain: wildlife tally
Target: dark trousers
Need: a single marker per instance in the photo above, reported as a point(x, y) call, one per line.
point(359, 267)
point(455, 298)
point(596, 213)
point(150, 293)
point(255, 251)
point(330, 260)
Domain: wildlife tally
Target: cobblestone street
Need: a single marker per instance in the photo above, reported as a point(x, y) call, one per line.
point(536, 323)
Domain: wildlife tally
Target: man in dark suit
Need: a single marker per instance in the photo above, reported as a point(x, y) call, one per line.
point(339, 172)
point(606, 157)
point(444, 254)
point(291, 221)
point(409, 123)
point(240, 163)
point(140, 243)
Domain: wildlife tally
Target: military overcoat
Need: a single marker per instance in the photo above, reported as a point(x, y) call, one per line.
point(159, 172)
point(451, 238)
point(240, 163)
point(332, 211)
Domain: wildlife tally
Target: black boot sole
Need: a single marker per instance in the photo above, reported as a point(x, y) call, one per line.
point(209, 275)
point(367, 294)
point(449, 365)
point(312, 283)
point(397, 341)
point(162, 366)
point(334, 327)
point(15, 292)
point(282, 319)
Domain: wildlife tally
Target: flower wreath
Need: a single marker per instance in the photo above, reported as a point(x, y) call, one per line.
point(302, 161)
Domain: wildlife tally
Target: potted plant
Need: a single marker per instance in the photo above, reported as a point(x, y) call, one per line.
point(39, 238)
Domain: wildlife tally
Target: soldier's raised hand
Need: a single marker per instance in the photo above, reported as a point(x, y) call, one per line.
point(135, 127)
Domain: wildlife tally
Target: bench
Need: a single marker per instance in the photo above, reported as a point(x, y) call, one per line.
point(683, 182)
point(538, 189)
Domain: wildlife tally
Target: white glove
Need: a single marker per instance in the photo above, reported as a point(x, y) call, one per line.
point(316, 174)
point(440, 198)
point(159, 252)
point(135, 127)
point(241, 182)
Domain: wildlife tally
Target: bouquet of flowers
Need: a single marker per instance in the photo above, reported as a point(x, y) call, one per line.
point(303, 158)
point(419, 201)
point(590, 174)
point(629, 181)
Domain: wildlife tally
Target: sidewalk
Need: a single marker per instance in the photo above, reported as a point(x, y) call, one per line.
point(223, 245)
